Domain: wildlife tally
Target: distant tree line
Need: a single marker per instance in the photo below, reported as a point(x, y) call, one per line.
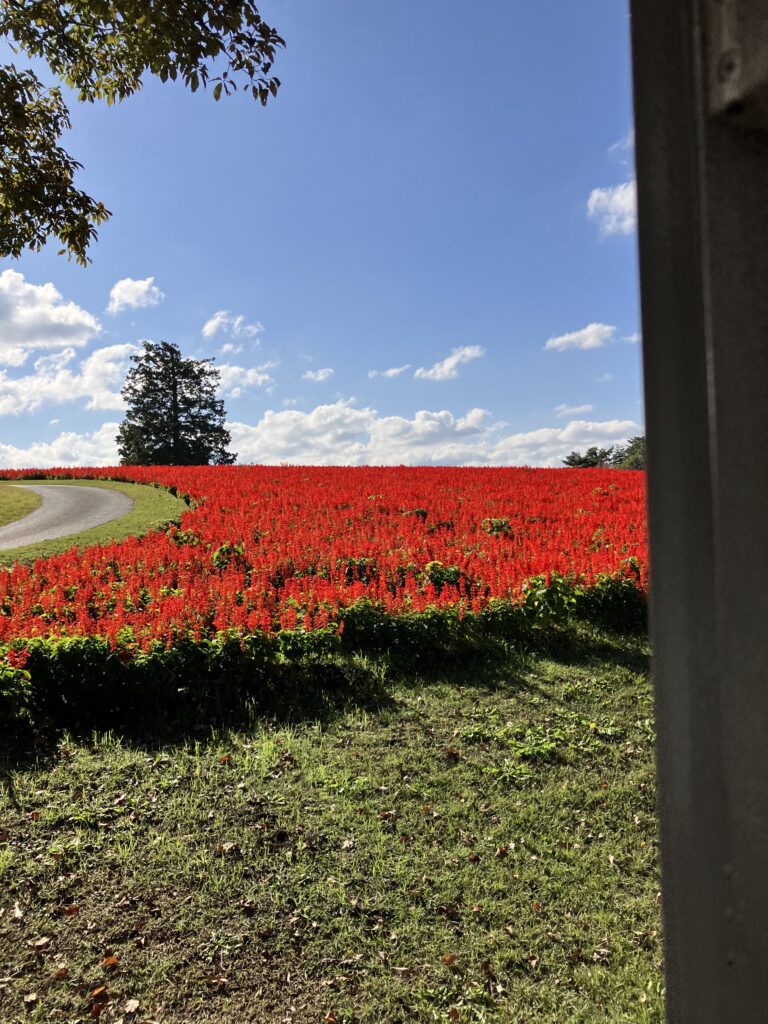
point(619, 456)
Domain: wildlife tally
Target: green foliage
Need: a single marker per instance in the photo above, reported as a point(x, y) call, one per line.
point(80, 682)
point(591, 459)
point(173, 417)
point(102, 50)
point(621, 456)
point(549, 600)
point(497, 527)
point(15, 687)
point(631, 455)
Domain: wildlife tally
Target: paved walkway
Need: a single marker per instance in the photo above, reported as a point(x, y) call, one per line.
point(65, 509)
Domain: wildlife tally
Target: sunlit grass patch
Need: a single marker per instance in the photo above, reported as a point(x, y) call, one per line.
point(383, 864)
point(16, 502)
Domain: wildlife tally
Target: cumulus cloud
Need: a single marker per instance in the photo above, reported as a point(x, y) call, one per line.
point(130, 293)
point(34, 316)
point(97, 381)
point(633, 338)
point(614, 209)
point(98, 448)
point(318, 376)
point(393, 371)
point(339, 433)
point(570, 410)
point(329, 435)
point(232, 325)
point(591, 336)
point(234, 380)
point(342, 434)
point(447, 369)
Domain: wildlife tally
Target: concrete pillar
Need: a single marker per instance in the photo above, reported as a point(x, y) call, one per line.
point(702, 161)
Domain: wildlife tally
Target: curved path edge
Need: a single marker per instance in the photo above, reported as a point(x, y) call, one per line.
point(65, 509)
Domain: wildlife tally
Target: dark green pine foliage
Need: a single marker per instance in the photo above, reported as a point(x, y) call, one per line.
point(173, 417)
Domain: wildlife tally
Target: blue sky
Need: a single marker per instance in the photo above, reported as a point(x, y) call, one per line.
point(442, 191)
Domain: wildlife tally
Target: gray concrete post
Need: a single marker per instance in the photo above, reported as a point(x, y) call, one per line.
point(702, 163)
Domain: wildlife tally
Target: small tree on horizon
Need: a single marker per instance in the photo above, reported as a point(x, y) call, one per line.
point(592, 457)
point(173, 416)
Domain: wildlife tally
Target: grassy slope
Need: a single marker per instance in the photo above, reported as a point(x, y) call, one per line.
point(391, 863)
point(153, 507)
point(16, 503)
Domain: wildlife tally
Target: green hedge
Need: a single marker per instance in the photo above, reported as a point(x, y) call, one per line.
point(79, 683)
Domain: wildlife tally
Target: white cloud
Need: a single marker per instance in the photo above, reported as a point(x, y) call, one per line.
point(130, 293)
point(33, 316)
point(614, 209)
point(447, 369)
point(633, 338)
point(68, 449)
point(571, 410)
point(235, 326)
point(97, 380)
point(549, 445)
point(230, 349)
point(237, 379)
point(393, 371)
point(341, 434)
point(591, 336)
point(625, 144)
point(328, 435)
point(318, 376)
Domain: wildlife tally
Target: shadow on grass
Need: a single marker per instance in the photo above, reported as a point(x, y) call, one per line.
point(162, 706)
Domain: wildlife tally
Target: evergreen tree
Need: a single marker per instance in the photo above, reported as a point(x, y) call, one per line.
point(593, 457)
point(631, 455)
point(174, 417)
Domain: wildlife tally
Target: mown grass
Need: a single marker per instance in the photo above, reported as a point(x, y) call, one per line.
point(15, 503)
point(153, 507)
point(476, 849)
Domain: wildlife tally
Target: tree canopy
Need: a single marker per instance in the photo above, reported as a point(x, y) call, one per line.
point(173, 416)
point(102, 49)
point(621, 456)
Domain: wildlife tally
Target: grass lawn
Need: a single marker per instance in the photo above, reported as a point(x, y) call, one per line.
point(477, 848)
point(153, 507)
point(16, 503)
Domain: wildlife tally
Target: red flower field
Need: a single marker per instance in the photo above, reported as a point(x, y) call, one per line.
point(265, 548)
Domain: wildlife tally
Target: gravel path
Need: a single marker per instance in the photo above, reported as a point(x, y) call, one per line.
point(65, 509)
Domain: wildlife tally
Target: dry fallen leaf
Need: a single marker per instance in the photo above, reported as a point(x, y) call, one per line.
point(449, 959)
point(110, 961)
point(453, 1013)
point(131, 1006)
point(62, 973)
point(227, 850)
point(30, 998)
point(40, 944)
point(17, 912)
point(502, 852)
point(474, 858)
